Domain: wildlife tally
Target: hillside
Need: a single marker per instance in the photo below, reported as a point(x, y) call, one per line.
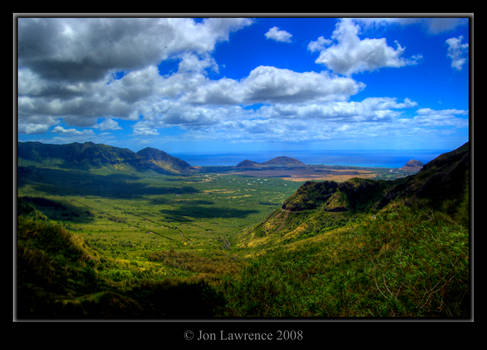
point(60, 276)
point(152, 158)
point(364, 248)
point(111, 246)
point(284, 162)
point(412, 165)
point(442, 184)
point(280, 162)
point(247, 164)
point(89, 155)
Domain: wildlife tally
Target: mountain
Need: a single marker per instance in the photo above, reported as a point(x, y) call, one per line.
point(274, 162)
point(364, 248)
point(248, 164)
point(442, 184)
point(412, 165)
point(90, 155)
point(152, 158)
point(284, 162)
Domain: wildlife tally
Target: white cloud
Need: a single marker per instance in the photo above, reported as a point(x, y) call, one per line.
point(278, 35)
point(61, 130)
point(35, 124)
point(427, 117)
point(267, 84)
point(350, 54)
point(457, 52)
point(319, 44)
point(271, 84)
point(141, 128)
point(108, 124)
point(86, 49)
point(66, 74)
point(432, 25)
point(368, 110)
point(375, 22)
point(192, 63)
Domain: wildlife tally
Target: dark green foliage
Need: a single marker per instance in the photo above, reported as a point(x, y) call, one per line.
point(310, 195)
point(148, 155)
point(90, 155)
point(403, 263)
point(441, 182)
point(355, 194)
point(199, 212)
point(363, 194)
point(82, 183)
point(401, 250)
point(57, 278)
point(55, 210)
point(360, 248)
point(51, 264)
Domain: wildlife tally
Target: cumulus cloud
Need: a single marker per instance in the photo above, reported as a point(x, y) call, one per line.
point(319, 44)
point(278, 35)
point(267, 84)
point(35, 124)
point(374, 22)
point(67, 79)
point(350, 54)
point(457, 52)
point(61, 130)
point(277, 121)
point(427, 117)
point(85, 49)
point(368, 110)
point(432, 26)
point(67, 66)
point(108, 124)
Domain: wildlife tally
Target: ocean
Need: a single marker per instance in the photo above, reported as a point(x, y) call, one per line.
point(360, 158)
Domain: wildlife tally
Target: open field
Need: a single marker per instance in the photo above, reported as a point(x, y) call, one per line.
point(141, 221)
point(105, 243)
point(312, 172)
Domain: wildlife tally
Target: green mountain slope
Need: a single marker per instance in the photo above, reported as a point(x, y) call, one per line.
point(363, 248)
point(360, 248)
point(442, 184)
point(60, 277)
point(89, 155)
point(151, 158)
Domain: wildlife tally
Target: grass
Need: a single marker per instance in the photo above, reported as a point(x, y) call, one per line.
point(104, 245)
point(400, 263)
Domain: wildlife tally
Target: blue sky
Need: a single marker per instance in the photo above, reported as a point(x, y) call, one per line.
point(220, 85)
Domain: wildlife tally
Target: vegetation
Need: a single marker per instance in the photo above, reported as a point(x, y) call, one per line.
point(105, 243)
point(403, 262)
point(90, 155)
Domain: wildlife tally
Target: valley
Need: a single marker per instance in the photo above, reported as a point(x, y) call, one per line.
point(255, 241)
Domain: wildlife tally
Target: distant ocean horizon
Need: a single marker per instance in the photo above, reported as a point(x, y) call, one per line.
point(359, 158)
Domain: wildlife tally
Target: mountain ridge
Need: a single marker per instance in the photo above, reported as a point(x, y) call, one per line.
point(442, 184)
point(412, 165)
point(280, 161)
point(91, 155)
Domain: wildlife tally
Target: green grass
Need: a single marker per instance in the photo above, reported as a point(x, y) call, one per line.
point(103, 245)
point(129, 227)
point(398, 263)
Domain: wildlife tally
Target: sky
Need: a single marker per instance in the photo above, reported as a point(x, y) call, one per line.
point(223, 85)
